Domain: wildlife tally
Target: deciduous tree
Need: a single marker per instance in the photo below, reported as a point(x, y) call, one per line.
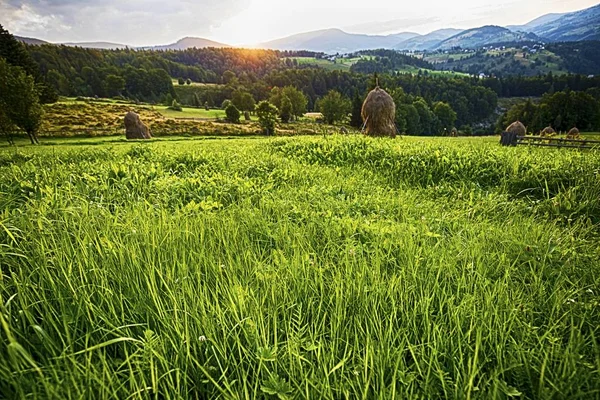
point(334, 107)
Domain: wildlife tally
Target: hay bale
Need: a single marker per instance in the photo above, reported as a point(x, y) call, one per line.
point(517, 128)
point(135, 128)
point(379, 114)
point(548, 131)
point(573, 134)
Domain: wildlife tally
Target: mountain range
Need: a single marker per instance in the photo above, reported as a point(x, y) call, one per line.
point(337, 41)
point(574, 26)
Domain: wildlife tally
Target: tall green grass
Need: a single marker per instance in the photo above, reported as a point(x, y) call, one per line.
point(299, 268)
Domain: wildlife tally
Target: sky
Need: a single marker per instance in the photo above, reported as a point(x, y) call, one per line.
point(249, 22)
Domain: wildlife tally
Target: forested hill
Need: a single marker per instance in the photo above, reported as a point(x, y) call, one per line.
point(143, 74)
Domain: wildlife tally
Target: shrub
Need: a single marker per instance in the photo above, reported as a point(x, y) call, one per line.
point(232, 114)
point(175, 106)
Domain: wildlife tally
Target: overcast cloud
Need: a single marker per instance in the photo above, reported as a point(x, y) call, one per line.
point(149, 22)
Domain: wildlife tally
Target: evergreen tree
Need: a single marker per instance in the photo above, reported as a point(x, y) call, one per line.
point(19, 100)
point(285, 113)
point(16, 54)
point(356, 118)
point(168, 100)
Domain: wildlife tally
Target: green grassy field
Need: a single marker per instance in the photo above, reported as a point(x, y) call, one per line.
point(344, 64)
point(432, 72)
point(332, 267)
point(189, 112)
point(341, 64)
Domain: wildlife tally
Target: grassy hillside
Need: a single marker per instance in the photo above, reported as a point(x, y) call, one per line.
point(341, 64)
point(298, 268)
point(344, 64)
point(70, 117)
point(502, 62)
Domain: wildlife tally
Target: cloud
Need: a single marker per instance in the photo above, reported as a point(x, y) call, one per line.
point(135, 22)
point(393, 26)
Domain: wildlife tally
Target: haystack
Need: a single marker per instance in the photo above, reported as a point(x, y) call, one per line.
point(379, 114)
point(135, 128)
point(518, 128)
point(573, 134)
point(548, 131)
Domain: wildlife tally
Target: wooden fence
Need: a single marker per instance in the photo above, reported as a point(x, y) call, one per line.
point(512, 139)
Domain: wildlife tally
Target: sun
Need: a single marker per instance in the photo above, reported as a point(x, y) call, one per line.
point(250, 26)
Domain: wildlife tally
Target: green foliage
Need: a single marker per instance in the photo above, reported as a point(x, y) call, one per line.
point(267, 116)
point(561, 110)
point(285, 112)
point(175, 106)
point(385, 61)
point(427, 120)
point(243, 100)
point(445, 115)
point(115, 85)
point(225, 104)
point(297, 99)
point(196, 102)
point(321, 268)
point(15, 53)
point(232, 114)
point(334, 107)
point(228, 77)
point(168, 100)
point(356, 117)
point(19, 100)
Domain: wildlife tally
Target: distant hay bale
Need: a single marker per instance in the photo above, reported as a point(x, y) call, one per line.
point(548, 131)
point(517, 128)
point(379, 114)
point(573, 134)
point(135, 128)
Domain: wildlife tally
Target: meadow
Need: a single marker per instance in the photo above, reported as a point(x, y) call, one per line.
point(312, 267)
point(344, 64)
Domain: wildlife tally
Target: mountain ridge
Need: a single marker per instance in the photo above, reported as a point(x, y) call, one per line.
point(554, 27)
point(484, 36)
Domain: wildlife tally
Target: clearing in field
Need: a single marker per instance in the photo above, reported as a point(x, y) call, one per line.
point(337, 267)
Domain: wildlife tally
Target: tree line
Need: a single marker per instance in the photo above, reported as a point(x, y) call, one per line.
point(385, 61)
point(561, 111)
point(22, 89)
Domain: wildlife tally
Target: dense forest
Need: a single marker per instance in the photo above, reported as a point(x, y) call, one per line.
point(579, 57)
point(386, 61)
